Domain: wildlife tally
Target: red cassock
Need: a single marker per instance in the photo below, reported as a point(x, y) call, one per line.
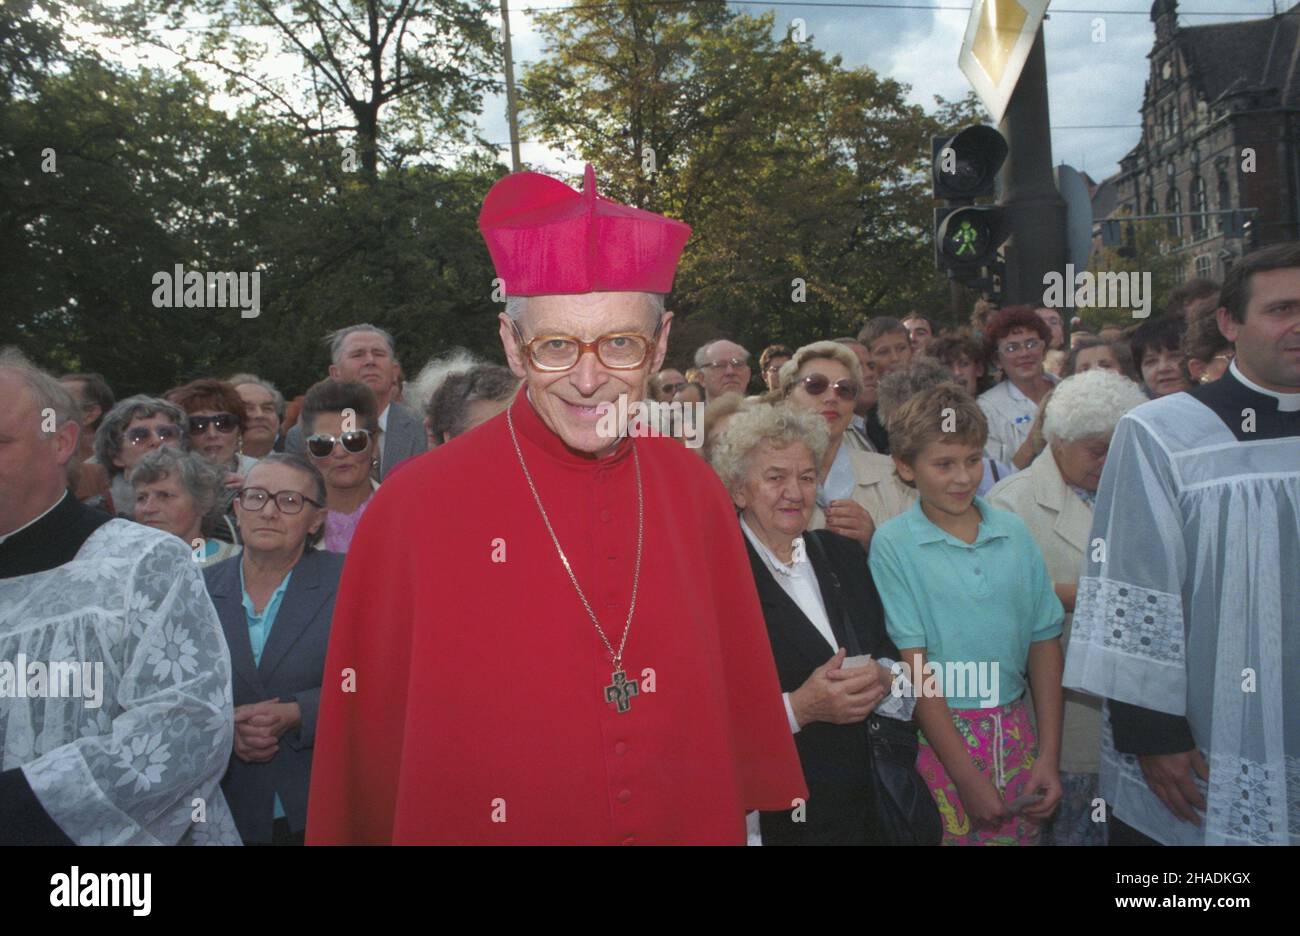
point(478, 713)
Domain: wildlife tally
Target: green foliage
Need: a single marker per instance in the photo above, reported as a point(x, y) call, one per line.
point(144, 174)
point(787, 165)
point(1151, 254)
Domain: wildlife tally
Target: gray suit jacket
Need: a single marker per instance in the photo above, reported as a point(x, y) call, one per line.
point(293, 661)
point(404, 438)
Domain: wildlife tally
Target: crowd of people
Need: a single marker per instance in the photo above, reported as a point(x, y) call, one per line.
point(1001, 500)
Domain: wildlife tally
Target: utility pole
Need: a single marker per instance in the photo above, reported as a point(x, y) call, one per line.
point(1035, 208)
point(512, 110)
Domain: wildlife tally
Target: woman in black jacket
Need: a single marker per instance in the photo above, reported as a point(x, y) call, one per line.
point(824, 619)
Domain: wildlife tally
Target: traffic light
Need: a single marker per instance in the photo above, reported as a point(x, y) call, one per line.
point(1250, 233)
point(967, 236)
point(966, 165)
point(966, 239)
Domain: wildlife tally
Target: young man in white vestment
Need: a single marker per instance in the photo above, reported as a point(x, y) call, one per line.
point(1188, 613)
point(116, 720)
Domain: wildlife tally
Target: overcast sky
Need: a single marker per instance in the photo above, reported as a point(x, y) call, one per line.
point(1089, 83)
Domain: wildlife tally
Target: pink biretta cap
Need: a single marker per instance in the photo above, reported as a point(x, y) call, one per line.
point(545, 238)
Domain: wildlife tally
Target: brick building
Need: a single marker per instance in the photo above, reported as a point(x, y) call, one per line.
point(1215, 94)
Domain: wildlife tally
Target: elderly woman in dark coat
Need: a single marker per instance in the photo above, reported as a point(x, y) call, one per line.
point(275, 601)
point(824, 618)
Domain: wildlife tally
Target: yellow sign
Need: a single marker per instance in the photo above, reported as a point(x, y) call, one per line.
point(996, 35)
point(999, 35)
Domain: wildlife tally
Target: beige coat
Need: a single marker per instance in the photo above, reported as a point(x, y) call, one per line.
point(879, 490)
point(1060, 524)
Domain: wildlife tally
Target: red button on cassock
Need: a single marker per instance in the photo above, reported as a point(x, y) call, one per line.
point(624, 796)
point(620, 748)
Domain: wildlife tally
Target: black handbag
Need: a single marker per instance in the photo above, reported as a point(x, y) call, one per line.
point(905, 810)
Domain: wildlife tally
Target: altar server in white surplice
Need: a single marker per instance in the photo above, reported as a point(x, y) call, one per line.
point(1188, 613)
point(116, 720)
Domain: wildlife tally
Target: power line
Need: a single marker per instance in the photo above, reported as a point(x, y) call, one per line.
point(823, 4)
point(926, 8)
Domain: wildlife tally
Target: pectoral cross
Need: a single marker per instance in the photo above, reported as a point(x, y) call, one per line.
point(621, 692)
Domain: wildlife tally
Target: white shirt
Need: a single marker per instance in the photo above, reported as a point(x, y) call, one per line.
point(383, 431)
point(36, 519)
point(1010, 416)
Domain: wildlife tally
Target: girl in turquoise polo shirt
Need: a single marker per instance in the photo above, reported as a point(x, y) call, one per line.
point(970, 605)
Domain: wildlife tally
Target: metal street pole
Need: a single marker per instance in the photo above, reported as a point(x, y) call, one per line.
point(1034, 206)
point(511, 105)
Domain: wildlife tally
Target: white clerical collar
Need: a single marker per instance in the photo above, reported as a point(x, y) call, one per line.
point(771, 559)
point(36, 519)
point(1286, 402)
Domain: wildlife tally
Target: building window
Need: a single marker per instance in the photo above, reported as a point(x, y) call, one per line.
point(1205, 267)
point(1200, 205)
point(1225, 197)
point(1174, 206)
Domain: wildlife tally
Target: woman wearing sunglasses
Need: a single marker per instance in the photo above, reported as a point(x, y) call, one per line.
point(856, 491)
point(131, 430)
point(340, 419)
point(215, 421)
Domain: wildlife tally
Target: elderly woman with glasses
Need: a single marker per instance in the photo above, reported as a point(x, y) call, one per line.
point(1054, 498)
point(181, 493)
point(822, 612)
point(215, 419)
point(275, 602)
point(1015, 339)
point(856, 491)
point(133, 428)
point(339, 420)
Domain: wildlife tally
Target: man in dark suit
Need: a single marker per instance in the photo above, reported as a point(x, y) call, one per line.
point(367, 353)
point(277, 654)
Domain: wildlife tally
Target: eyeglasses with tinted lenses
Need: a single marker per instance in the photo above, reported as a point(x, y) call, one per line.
point(225, 423)
point(734, 363)
point(142, 434)
point(1011, 347)
point(289, 502)
point(672, 389)
point(817, 384)
point(322, 445)
point(619, 351)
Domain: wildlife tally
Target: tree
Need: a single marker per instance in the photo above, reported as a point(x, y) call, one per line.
point(804, 182)
point(1150, 253)
point(427, 61)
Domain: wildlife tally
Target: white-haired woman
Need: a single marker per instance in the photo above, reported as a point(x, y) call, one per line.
point(182, 493)
point(821, 607)
point(1054, 497)
point(856, 491)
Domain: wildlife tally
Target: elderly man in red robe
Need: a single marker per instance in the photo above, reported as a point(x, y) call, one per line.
point(547, 632)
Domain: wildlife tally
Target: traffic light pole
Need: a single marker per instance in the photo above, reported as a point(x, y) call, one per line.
point(1034, 206)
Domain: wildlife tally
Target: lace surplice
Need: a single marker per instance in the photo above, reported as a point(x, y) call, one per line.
point(145, 765)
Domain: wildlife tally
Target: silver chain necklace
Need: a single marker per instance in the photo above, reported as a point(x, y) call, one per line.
point(620, 691)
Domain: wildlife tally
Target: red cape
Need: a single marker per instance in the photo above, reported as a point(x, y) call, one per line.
point(478, 712)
